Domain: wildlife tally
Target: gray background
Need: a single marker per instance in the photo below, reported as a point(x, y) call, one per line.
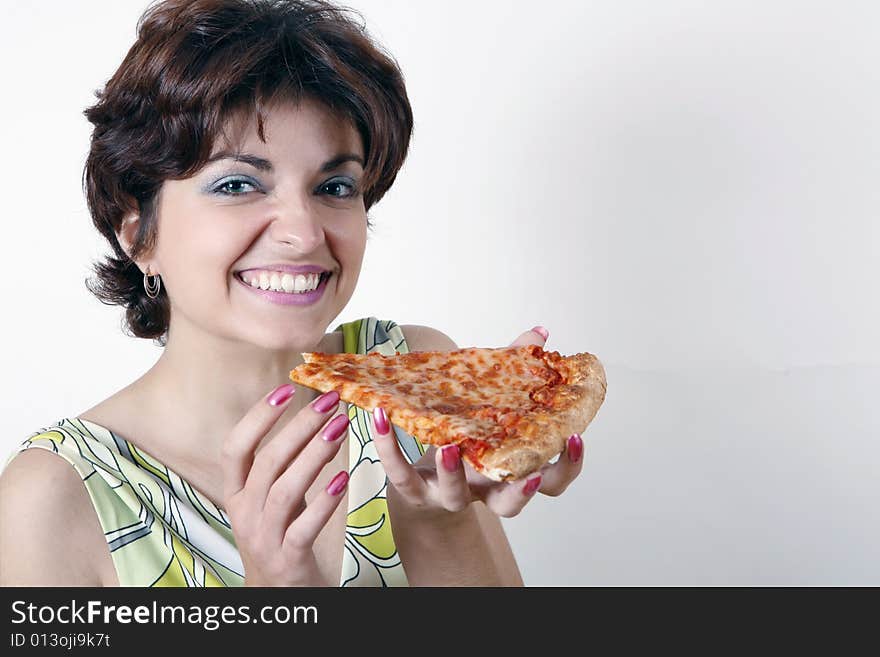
point(686, 189)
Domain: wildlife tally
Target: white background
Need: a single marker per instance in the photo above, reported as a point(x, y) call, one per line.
point(688, 190)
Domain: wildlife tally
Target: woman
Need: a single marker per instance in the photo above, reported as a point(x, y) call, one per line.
point(235, 154)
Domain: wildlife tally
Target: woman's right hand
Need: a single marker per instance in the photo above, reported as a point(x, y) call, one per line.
point(264, 495)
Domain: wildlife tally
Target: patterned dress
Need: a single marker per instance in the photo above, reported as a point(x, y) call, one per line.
point(163, 532)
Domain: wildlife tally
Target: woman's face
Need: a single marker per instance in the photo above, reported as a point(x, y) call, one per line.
point(293, 201)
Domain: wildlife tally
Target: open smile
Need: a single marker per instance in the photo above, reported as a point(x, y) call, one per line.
point(304, 290)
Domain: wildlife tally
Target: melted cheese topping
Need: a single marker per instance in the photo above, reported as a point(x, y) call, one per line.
point(477, 395)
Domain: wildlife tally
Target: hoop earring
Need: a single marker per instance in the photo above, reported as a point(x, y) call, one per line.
point(152, 287)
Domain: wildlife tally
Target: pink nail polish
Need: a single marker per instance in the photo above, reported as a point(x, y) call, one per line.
point(381, 421)
point(338, 483)
point(544, 333)
point(532, 485)
point(336, 428)
point(281, 394)
point(451, 457)
point(575, 448)
point(326, 401)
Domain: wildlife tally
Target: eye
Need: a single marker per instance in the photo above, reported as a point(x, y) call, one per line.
point(234, 187)
point(340, 188)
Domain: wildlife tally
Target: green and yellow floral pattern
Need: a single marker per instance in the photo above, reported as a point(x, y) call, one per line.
point(160, 530)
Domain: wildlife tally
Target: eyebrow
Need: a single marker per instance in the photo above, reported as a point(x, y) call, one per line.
point(265, 165)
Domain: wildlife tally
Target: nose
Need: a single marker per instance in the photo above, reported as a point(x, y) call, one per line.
point(296, 225)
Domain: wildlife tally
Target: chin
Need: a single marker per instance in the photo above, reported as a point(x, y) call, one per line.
point(290, 338)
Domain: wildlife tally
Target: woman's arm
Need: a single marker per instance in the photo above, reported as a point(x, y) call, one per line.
point(49, 532)
point(500, 548)
point(464, 548)
point(467, 548)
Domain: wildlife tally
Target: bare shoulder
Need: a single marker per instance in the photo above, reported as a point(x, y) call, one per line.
point(425, 338)
point(49, 531)
point(332, 343)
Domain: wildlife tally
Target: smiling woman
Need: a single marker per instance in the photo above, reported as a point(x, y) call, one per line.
point(235, 154)
point(201, 78)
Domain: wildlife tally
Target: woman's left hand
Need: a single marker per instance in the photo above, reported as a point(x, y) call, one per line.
point(441, 482)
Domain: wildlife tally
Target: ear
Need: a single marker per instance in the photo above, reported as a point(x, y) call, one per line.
point(126, 236)
point(127, 232)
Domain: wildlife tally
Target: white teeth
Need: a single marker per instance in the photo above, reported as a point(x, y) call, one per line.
point(283, 282)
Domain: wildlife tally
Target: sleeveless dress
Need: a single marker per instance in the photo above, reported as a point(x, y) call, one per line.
point(163, 532)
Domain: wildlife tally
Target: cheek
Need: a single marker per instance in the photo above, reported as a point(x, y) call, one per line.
point(348, 241)
point(194, 249)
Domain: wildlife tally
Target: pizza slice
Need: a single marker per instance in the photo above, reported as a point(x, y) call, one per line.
point(510, 410)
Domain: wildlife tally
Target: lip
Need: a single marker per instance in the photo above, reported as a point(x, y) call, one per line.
point(286, 299)
point(290, 269)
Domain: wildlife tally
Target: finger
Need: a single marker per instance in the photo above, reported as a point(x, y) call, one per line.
point(558, 477)
point(303, 531)
point(286, 496)
point(537, 335)
point(274, 457)
point(451, 481)
point(403, 476)
point(237, 450)
point(508, 499)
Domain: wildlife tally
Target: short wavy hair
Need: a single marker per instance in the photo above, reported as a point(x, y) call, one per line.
point(197, 64)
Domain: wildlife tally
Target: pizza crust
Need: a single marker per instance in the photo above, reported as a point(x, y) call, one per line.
point(541, 436)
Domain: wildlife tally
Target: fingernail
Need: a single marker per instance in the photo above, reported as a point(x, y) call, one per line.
point(450, 457)
point(281, 394)
point(381, 421)
point(544, 333)
point(336, 428)
point(338, 483)
point(326, 401)
point(575, 448)
point(532, 485)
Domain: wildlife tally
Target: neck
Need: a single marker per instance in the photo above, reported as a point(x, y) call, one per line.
point(199, 389)
point(214, 379)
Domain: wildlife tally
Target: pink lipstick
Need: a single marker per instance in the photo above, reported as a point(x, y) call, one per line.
point(290, 298)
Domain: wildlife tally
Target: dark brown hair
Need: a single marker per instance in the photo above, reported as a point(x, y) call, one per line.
point(196, 65)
